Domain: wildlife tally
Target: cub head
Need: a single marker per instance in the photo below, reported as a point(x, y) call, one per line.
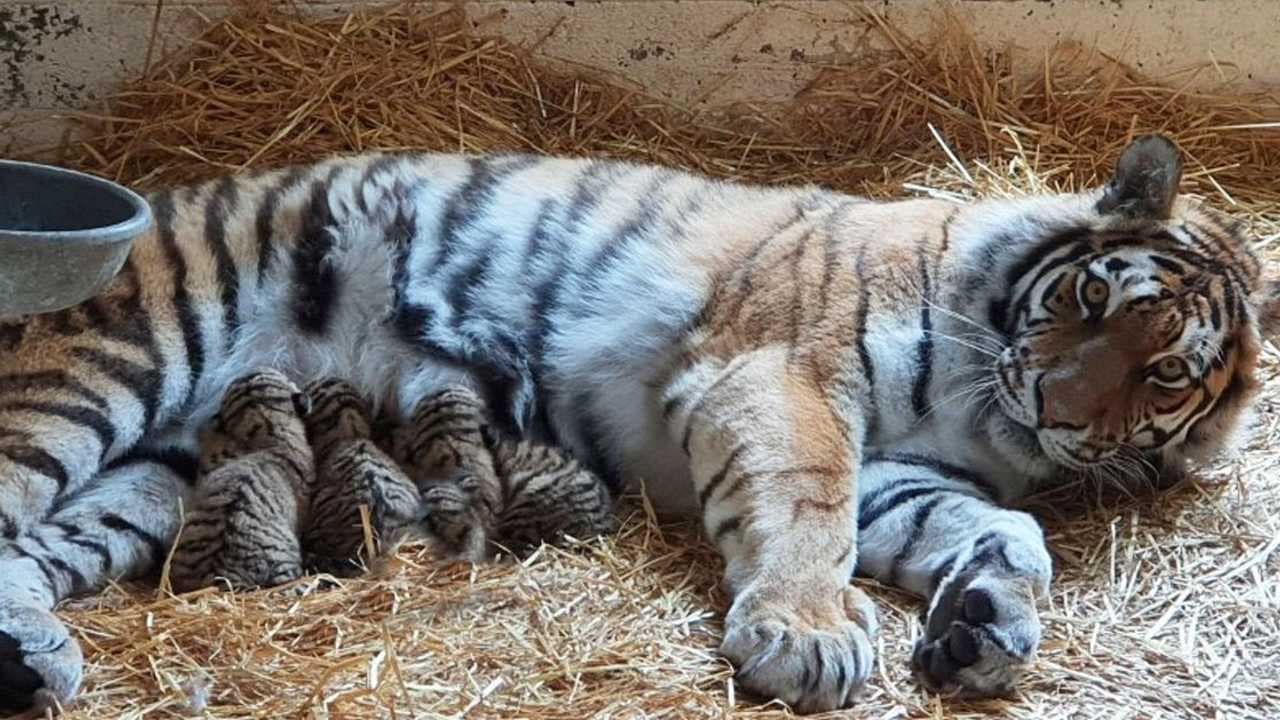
point(1133, 323)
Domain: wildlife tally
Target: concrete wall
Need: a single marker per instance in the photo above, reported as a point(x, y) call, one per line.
point(67, 54)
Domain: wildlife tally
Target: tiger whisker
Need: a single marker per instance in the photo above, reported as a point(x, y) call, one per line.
point(968, 368)
point(1115, 472)
point(964, 343)
point(969, 391)
point(988, 332)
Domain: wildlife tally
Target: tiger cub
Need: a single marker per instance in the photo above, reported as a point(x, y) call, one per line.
point(253, 491)
point(351, 472)
point(546, 495)
point(484, 489)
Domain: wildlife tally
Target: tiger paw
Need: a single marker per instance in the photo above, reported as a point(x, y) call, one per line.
point(40, 663)
point(814, 658)
point(979, 637)
point(454, 520)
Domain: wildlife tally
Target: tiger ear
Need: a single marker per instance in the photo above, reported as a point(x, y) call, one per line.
point(1146, 180)
point(302, 404)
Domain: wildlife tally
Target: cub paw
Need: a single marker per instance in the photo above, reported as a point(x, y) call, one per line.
point(455, 522)
point(979, 638)
point(814, 658)
point(40, 663)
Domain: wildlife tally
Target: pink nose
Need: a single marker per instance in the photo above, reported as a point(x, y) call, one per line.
point(1075, 399)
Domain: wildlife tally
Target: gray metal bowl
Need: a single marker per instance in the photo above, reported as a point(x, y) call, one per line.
point(63, 235)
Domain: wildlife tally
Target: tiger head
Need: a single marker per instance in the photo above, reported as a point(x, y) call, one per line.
point(1132, 320)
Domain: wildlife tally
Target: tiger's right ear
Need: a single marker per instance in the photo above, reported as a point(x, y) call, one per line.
point(1146, 180)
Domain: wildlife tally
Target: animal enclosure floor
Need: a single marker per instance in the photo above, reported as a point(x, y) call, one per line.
point(1163, 606)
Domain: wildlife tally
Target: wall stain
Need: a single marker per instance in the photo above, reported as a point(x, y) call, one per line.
point(645, 50)
point(24, 29)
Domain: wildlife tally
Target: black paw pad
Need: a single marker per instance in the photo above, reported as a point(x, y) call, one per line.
point(934, 662)
point(963, 645)
point(978, 608)
point(18, 683)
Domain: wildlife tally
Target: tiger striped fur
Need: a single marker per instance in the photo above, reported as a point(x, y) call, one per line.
point(444, 451)
point(483, 489)
point(546, 496)
point(117, 526)
point(254, 490)
point(352, 472)
point(792, 363)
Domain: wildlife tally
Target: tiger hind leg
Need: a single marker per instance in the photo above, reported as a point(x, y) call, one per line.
point(119, 525)
point(931, 530)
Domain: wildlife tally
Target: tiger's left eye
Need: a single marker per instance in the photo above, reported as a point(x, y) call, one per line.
point(1096, 292)
point(1170, 369)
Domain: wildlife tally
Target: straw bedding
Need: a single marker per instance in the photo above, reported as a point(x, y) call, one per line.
point(1164, 606)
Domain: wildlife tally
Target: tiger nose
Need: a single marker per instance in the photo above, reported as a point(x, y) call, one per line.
point(1078, 401)
point(1065, 403)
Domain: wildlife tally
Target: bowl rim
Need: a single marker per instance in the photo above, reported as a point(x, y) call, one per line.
point(129, 228)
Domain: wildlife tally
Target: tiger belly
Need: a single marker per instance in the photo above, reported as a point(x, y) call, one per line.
point(358, 344)
point(583, 345)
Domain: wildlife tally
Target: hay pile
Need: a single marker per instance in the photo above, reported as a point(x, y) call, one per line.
point(1163, 607)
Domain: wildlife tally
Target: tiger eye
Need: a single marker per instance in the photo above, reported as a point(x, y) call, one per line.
point(1171, 369)
point(1096, 292)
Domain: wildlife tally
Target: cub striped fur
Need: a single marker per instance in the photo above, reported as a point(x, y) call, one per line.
point(352, 473)
point(546, 496)
point(443, 449)
point(485, 490)
point(254, 491)
point(832, 384)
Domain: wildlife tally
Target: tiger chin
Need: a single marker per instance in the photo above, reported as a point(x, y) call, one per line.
point(831, 384)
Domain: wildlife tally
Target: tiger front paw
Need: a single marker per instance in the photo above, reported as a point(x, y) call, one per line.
point(40, 663)
point(814, 656)
point(980, 636)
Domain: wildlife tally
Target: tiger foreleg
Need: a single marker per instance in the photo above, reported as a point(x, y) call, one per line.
point(773, 469)
point(120, 525)
point(984, 569)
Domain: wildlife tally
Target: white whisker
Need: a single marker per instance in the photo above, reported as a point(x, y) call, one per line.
point(991, 334)
point(968, 392)
point(964, 343)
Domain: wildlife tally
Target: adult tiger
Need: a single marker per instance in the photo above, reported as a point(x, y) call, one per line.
point(781, 358)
